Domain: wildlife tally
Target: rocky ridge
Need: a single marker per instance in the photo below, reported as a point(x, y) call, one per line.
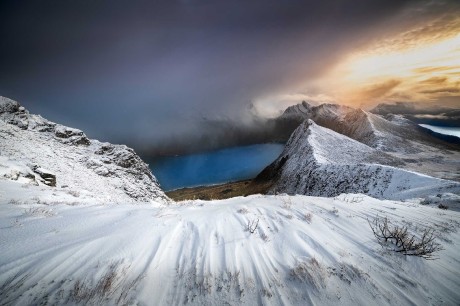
point(36, 151)
point(320, 162)
point(415, 147)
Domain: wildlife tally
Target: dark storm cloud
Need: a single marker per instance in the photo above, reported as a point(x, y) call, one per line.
point(147, 72)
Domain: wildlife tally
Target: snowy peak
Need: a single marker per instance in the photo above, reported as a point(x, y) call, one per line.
point(417, 149)
point(371, 129)
point(302, 110)
point(326, 145)
point(36, 151)
point(320, 162)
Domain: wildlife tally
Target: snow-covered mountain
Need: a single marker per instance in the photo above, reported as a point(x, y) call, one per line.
point(416, 148)
point(73, 234)
point(39, 152)
point(390, 133)
point(320, 162)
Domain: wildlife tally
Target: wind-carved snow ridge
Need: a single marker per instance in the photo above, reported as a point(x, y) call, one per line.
point(303, 251)
point(320, 162)
point(36, 151)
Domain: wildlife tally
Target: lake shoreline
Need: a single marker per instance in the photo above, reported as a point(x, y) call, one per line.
point(220, 191)
point(214, 168)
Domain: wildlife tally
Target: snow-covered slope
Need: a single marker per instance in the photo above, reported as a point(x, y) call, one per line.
point(417, 150)
point(387, 134)
point(318, 161)
point(304, 251)
point(64, 242)
point(36, 151)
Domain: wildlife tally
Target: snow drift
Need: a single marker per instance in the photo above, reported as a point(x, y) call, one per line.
point(298, 251)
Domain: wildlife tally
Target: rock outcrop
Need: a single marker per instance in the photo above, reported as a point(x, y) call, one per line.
point(37, 151)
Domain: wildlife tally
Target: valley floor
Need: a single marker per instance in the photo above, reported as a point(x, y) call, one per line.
point(266, 250)
point(219, 191)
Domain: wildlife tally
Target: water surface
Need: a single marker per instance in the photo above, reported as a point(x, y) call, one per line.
point(453, 131)
point(214, 167)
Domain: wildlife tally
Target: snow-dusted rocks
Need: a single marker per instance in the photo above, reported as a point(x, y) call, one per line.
point(8, 106)
point(318, 161)
point(70, 135)
point(49, 178)
point(417, 149)
point(36, 151)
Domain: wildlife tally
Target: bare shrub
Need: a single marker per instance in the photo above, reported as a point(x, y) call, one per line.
point(266, 292)
point(334, 211)
point(243, 211)
point(10, 287)
point(287, 203)
point(264, 237)
point(73, 193)
point(15, 202)
point(310, 272)
point(422, 245)
point(16, 223)
point(442, 206)
point(347, 272)
point(39, 212)
point(308, 217)
point(349, 198)
point(252, 226)
point(111, 285)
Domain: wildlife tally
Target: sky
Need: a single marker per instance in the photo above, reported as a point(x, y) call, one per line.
point(147, 73)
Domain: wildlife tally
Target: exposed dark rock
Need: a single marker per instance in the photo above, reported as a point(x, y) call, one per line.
point(74, 136)
point(8, 105)
point(49, 178)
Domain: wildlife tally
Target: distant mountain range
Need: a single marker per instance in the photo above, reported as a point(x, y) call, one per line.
point(416, 148)
point(339, 149)
point(435, 115)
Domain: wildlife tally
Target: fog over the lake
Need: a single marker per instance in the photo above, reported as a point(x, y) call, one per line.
point(167, 73)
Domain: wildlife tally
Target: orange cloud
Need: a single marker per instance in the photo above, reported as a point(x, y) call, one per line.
point(422, 64)
point(379, 90)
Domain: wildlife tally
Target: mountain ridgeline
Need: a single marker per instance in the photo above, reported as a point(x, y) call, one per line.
point(339, 149)
point(320, 162)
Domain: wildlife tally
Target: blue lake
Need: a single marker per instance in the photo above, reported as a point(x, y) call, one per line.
point(214, 167)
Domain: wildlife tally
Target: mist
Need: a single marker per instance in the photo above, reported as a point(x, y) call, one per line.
point(176, 76)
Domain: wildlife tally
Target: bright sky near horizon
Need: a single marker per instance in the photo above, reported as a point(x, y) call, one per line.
point(148, 72)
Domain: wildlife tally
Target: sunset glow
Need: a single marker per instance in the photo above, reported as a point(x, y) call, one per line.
point(422, 71)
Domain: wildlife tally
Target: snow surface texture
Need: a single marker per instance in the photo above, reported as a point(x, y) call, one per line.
point(70, 245)
point(303, 251)
point(416, 149)
point(320, 162)
point(36, 151)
